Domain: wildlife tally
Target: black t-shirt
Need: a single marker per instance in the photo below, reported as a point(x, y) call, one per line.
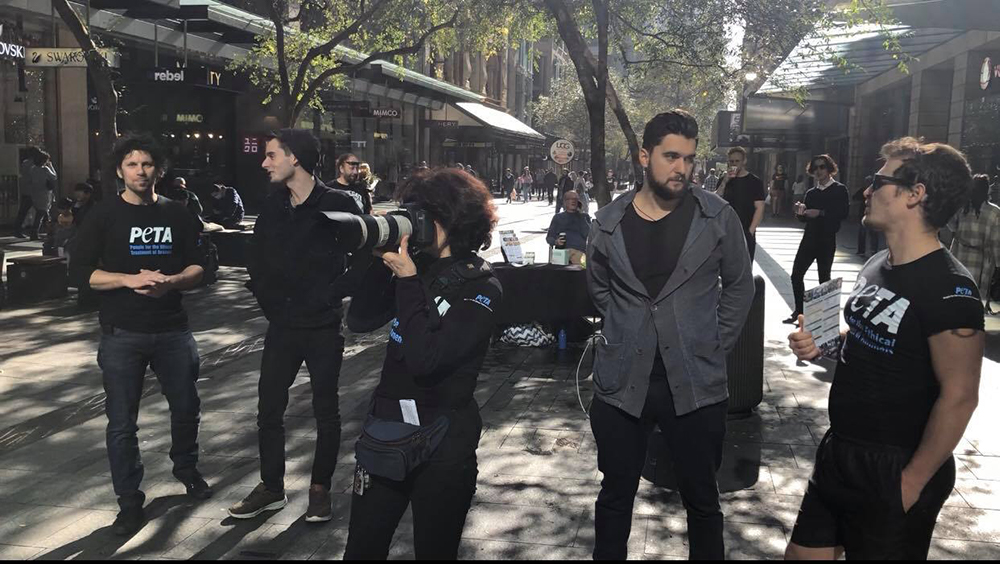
point(742, 193)
point(120, 237)
point(885, 387)
point(655, 246)
point(778, 181)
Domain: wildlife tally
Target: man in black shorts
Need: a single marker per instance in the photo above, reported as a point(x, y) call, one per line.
point(907, 377)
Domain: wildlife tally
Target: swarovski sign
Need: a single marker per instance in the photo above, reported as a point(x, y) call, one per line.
point(10, 50)
point(65, 57)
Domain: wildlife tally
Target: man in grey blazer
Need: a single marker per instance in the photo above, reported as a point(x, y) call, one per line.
point(668, 269)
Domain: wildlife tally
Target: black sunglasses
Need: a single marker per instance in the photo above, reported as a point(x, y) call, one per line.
point(818, 166)
point(880, 180)
point(353, 163)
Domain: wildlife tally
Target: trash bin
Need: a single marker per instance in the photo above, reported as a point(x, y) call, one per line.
point(745, 364)
point(745, 368)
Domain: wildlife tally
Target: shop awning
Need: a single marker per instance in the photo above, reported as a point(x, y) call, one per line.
point(846, 56)
point(956, 14)
point(502, 121)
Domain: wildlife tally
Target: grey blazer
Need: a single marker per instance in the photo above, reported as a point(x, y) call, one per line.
point(693, 322)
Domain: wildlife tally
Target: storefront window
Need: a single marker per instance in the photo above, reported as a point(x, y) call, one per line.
point(23, 94)
point(980, 138)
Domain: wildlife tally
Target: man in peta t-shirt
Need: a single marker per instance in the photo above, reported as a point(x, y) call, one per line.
point(139, 251)
point(907, 379)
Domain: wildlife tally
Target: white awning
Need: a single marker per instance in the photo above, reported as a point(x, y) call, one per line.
point(499, 120)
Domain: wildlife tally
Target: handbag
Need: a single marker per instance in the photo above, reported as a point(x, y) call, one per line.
point(393, 450)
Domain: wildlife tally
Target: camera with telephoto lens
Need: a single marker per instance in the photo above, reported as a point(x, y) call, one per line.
point(355, 232)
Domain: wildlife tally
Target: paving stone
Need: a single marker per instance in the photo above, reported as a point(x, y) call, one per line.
point(471, 549)
point(12, 552)
point(942, 549)
point(518, 523)
point(668, 536)
point(982, 467)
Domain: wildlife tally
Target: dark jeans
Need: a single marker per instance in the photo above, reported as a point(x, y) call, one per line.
point(22, 213)
point(695, 444)
point(440, 492)
point(285, 348)
point(123, 357)
point(751, 244)
point(820, 250)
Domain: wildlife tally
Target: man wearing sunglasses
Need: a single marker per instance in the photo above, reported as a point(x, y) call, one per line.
point(348, 169)
point(907, 376)
point(824, 207)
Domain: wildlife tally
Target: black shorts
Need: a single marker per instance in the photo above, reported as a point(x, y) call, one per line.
point(854, 500)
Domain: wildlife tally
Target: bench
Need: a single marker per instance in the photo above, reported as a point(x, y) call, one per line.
point(36, 278)
point(233, 246)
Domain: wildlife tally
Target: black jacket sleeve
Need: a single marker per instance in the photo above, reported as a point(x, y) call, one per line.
point(433, 353)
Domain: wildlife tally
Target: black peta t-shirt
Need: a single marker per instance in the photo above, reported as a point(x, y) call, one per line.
point(742, 193)
point(885, 387)
point(122, 237)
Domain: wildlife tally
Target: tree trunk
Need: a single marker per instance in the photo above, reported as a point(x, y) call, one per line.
point(107, 95)
point(597, 111)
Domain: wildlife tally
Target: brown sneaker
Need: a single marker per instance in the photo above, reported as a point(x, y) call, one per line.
point(259, 501)
point(319, 509)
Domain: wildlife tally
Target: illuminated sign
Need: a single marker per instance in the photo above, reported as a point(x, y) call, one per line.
point(251, 145)
point(10, 50)
point(386, 113)
point(190, 118)
point(65, 57)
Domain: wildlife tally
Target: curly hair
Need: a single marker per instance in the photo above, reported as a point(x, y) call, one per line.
point(831, 165)
point(942, 170)
point(458, 201)
point(128, 144)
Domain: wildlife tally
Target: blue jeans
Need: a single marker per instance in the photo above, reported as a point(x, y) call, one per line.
point(123, 357)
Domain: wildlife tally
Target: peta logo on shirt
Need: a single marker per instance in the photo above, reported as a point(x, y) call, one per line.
point(891, 316)
point(960, 291)
point(147, 241)
point(151, 235)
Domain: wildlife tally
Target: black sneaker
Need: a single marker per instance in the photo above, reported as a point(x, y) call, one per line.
point(793, 320)
point(319, 510)
point(259, 501)
point(197, 487)
point(129, 521)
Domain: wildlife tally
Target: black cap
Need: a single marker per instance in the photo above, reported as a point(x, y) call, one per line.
point(301, 143)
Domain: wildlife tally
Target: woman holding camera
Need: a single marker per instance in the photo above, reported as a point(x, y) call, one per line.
point(419, 442)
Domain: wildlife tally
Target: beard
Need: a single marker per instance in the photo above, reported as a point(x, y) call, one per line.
point(662, 189)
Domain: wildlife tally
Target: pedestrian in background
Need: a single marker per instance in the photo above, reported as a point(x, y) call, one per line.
point(799, 189)
point(550, 184)
point(524, 184)
point(711, 181)
point(779, 182)
point(826, 205)
point(38, 181)
point(745, 192)
point(976, 236)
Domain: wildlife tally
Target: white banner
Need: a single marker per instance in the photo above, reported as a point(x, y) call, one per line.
point(64, 57)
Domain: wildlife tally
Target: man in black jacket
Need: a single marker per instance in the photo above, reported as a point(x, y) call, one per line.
point(825, 206)
point(293, 267)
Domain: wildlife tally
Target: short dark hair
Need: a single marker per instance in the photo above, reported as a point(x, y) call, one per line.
point(128, 144)
point(942, 170)
point(300, 143)
point(458, 201)
point(83, 187)
point(343, 159)
point(674, 122)
point(739, 150)
point(831, 165)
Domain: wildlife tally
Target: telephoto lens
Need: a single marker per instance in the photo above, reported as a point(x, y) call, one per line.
point(356, 232)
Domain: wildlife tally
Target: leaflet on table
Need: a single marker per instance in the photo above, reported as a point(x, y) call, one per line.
point(511, 247)
point(821, 309)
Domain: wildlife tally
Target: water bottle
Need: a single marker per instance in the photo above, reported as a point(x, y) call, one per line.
point(562, 339)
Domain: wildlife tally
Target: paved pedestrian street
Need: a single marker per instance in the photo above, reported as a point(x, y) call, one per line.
point(538, 476)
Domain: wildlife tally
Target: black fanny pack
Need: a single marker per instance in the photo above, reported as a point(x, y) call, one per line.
point(392, 449)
